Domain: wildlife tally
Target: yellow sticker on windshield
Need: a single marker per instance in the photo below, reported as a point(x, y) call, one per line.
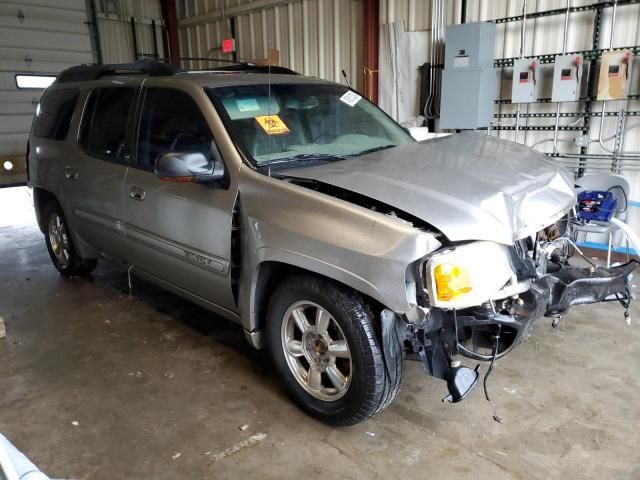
point(272, 124)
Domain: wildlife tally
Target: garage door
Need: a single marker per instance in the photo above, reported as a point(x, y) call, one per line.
point(36, 38)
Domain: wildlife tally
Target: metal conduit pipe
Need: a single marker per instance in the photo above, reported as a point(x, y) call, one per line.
point(522, 40)
point(440, 54)
point(434, 60)
point(428, 113)
point(432, 106)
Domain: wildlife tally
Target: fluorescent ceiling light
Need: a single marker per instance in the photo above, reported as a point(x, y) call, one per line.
point(34, 81)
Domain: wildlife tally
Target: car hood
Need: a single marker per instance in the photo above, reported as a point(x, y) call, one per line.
point(469, 186)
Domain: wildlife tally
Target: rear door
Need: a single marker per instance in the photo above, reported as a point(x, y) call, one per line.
point(178, 232)
point(95, 168)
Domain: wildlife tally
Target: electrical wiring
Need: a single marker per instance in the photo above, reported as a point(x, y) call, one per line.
point(489, 370)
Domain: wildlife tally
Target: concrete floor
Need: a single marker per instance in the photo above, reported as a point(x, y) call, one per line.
point(95, 384)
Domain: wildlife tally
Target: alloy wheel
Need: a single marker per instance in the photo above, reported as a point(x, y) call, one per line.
point(59, 239)
point(316, 351)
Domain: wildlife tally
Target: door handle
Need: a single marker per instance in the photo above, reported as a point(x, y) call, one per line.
point(70, 173)
point(136, 193)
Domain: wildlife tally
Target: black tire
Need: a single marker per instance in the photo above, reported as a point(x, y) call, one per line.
point(72, 264)
point(370, 389)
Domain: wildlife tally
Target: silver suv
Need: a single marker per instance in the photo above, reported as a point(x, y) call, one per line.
point(298, 209)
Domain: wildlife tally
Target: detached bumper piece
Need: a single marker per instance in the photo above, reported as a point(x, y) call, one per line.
point(575, 286)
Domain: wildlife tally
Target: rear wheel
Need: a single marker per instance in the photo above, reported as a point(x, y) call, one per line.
point(60, 245)
point(323, 343)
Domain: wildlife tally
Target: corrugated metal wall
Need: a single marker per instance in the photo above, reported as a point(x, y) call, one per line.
point(315, 37)
point(117, 33)
point(204, 40)
point(36, 37)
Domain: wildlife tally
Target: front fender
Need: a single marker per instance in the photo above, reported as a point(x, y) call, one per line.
point(293, 225)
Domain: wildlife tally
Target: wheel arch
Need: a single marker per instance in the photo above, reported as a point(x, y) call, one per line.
point(269, 275)
point(40, 198)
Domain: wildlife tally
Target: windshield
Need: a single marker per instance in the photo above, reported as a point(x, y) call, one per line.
point(303, 122)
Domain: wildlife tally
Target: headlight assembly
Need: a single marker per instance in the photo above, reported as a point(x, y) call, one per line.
point(467, 275)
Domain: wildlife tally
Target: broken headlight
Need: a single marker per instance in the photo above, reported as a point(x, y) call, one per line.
point(467, 275)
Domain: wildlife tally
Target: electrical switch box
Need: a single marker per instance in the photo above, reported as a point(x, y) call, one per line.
point(467, 98)
point(567, 77)
point(615, 72)
point(526, 84)
point(469, 81)
point(470, 45)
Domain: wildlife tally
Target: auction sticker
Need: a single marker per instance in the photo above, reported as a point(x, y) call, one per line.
point(350, 98)
point(247, 105)
point(272, 124)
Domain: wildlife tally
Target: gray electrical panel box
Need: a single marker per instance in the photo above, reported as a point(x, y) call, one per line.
point(567, 75)
point(470, 45)
point(526, 84)
point(469, 80)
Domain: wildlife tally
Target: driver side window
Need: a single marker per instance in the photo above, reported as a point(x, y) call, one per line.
point(171, 121)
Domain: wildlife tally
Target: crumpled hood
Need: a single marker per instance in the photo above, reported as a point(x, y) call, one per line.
point(470, 186)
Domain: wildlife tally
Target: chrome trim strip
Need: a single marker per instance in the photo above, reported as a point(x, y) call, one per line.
point(197, 258)
point(107, 222)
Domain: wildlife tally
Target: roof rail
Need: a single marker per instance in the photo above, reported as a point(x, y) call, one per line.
point(247, 67)
point(252, 67)
point(83, 73)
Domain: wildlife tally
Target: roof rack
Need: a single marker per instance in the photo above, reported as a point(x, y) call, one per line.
point(83, 73)
point(253, 68)
point(242, 67)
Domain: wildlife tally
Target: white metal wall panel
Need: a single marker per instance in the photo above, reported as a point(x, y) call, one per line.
point(203, 40)
point(315, 37)
point(35, 37)
point(116, 32)
point(130, 8)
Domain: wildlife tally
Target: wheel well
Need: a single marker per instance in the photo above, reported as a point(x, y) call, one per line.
point(40, 198)
point(272, 273)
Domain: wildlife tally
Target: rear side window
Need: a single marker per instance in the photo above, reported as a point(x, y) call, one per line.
point(106, 124)
point(53, 114)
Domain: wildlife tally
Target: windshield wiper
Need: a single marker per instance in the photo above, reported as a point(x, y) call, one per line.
point(307, 157)
point(302, 158)
point(371, 150)
point(317, 156)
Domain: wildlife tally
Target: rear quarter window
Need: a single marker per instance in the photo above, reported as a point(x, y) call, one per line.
point(53, 114)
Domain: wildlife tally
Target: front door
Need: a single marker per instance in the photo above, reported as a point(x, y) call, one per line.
point(178, 232)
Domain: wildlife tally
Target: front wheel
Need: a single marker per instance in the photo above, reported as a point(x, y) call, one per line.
point(60, 245)
point(323, 342)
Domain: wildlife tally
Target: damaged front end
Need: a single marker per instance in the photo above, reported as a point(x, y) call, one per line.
point(536, 280)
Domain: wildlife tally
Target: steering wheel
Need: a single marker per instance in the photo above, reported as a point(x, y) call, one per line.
point(324, 138)
point(185, 136)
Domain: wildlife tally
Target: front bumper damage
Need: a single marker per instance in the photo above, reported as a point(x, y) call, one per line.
point(491, 331)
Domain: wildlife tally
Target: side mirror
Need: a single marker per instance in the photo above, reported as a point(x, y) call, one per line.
point(189, 167)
